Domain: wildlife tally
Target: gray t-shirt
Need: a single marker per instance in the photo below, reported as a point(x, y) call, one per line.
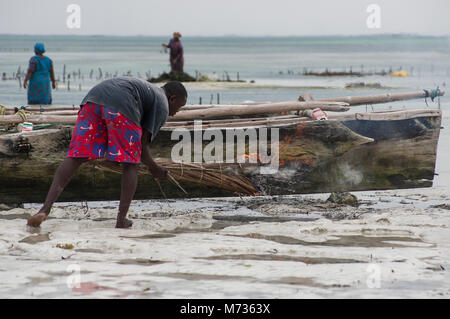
point(140, 101)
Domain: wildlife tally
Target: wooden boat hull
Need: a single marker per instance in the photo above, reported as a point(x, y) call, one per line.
point(314, 156)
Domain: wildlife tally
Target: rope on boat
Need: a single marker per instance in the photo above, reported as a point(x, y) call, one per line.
point(23, 114)
point(201, 176)
point(181, 166)
point(434, 93)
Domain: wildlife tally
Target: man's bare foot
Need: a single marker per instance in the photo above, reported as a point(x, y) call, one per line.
point(36, 220)
point(124, 223)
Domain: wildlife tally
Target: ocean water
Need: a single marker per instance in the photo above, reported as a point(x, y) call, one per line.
point(270, 61)
point(275, 64)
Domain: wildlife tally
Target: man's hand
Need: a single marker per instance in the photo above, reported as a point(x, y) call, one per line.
point(159, 172)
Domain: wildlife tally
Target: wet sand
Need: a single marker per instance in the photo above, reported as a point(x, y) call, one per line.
point(395, 244)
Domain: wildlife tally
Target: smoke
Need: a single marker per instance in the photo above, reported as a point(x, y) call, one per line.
point(348, 175)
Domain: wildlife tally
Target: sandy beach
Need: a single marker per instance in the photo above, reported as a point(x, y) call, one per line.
point(394, 244)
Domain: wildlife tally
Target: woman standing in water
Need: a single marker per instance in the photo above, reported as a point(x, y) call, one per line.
point(176, 53)
point(40, 73)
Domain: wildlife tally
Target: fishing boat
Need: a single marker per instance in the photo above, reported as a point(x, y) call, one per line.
point(295, 152)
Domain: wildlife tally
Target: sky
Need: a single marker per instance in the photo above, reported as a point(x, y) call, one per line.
point(225, 17)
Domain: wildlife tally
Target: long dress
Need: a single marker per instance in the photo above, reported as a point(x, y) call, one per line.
point(176, 50)
point(39, 89)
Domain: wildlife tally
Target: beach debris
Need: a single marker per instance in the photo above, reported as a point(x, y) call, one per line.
point(383, 221)
point(34, 239)
point(373, 85)
point(343, 198)
point(400, 73)
point(65, 246)
point(436, 267)
point(10, 206)
point(85, 207)
point(140, 262)
point(65, 258)
point(89, 250)
point(442, 206)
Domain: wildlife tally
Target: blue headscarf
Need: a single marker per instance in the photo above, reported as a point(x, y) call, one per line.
point(39, 48)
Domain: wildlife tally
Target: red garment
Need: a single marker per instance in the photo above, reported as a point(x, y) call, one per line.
point(100, 129)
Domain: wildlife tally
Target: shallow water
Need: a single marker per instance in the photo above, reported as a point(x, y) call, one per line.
point(271, 61)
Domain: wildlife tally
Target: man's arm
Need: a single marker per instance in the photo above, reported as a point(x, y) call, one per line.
point(156, 170)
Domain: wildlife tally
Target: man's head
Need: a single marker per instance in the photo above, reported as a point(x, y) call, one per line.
point(176, 95)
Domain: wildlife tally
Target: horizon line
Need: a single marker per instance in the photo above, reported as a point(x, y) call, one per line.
point(238, 35)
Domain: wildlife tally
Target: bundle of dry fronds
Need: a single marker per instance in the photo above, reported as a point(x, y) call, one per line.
point(223, 176)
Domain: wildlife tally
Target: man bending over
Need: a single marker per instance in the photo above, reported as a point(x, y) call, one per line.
point(119, 117)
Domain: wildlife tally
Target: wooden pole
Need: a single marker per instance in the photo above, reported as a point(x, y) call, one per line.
point(369, 99)
point(237, 110)
point(54, 109)
point(38, 119)
point(386, 116)
point(194, 114)
point(393, 115)
point(191, 112)
point(380, 98)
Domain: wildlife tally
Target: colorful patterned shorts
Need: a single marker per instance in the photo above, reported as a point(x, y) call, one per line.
point(100, 129)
